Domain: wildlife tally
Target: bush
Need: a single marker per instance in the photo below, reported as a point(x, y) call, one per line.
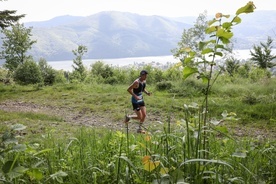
point(75, 77)
point(173, 74)
point(250, 99)
point(120, 75)
point(4, 76)
point(164, 85)
point(258, 73)
point(28, 73)
point(188, 88)
point(61, 77)
point(48, 73)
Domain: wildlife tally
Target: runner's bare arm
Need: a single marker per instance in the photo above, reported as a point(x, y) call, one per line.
point(135, 84)
point(148, 93)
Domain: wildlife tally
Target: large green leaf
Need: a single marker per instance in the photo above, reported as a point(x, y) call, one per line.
point(219, 46)
point(8, 166)
point(237, 20)
point(212, 22)
point(11, 140)
point(204, 79)
point(227, 25)
point(17, 172)
point(224, 34)
point(248, 8)
point(19, 147)
point(188, 60)
point(206, 51)
point(219, 54)
point(18, 127)
point(202, 45)
point(35, 174)
point(222, 129)
point(189, 71)
point(211, 29)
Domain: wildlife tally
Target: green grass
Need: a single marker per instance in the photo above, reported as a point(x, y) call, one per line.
point(51, 150)
point(252, 103)
point(88, 155)
point(8, 116)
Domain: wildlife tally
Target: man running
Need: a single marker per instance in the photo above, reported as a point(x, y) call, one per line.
point(136, 89)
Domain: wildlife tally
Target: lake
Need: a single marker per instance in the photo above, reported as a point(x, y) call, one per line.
point(121, 62)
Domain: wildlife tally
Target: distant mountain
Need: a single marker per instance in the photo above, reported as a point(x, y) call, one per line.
point(57, 21)
point(114, 34)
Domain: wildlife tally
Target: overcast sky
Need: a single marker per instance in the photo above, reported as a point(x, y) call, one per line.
point(39, 10)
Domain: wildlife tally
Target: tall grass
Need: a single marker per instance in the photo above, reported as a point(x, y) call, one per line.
point(52, 151)
point(100, 156)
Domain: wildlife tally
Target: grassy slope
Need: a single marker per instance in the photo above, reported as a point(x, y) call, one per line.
point(109, 104)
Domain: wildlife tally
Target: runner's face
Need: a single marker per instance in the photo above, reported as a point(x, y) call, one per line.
point(144, 76)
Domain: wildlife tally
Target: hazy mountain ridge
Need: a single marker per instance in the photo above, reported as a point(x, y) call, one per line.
point(120, 34)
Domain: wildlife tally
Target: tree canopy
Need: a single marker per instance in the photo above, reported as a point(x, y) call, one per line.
point(16, 42)
point(8, 18)
point(262, 54)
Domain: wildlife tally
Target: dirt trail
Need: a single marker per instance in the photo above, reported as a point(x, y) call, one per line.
point(67, 114)
point(83, 118)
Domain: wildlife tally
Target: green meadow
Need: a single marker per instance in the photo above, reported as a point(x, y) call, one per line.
point(74, 133)
point(208, 121)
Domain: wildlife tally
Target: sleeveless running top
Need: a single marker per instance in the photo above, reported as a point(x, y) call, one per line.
point(138, 91)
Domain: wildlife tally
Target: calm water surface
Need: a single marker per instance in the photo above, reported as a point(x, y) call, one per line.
point(120, 62)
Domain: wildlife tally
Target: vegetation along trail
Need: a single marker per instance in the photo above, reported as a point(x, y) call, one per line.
point(101, 111)
point(211, 118)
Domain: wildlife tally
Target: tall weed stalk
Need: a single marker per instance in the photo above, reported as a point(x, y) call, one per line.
point(202, 64)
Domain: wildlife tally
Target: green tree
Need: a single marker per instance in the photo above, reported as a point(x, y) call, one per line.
point(191, 37)
point(8, 18)
point(48, 73)
point(262, 56)
point(15, 45)
point(79, 69)
point(244, 69)
point(102, 72)
point(220, 36)
point(28, 73)
point(232, 65)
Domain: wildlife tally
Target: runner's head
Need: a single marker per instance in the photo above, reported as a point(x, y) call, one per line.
point(143, 72)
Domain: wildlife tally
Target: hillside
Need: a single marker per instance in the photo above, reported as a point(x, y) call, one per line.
point(120, 34)
point(107, 35)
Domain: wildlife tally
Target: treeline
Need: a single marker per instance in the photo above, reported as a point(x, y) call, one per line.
point(22, 69)
point(41, 74)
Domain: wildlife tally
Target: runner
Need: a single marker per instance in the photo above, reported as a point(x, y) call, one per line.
point(136, 90)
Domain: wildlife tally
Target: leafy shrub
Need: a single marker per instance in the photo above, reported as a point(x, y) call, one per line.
point(243, 70)
point(189, 87)
point(132, 75)
point(101, 69)
point(164, 85)
point(61, 77)
point(111, 80)
point(158, 76)
point(250, 99)
point(121, 76)
point(173, 74)
point(4, 76)
point(28, 73)
point(232, 65)
point(75, 77)
point(258, 73)
point(48, 73)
